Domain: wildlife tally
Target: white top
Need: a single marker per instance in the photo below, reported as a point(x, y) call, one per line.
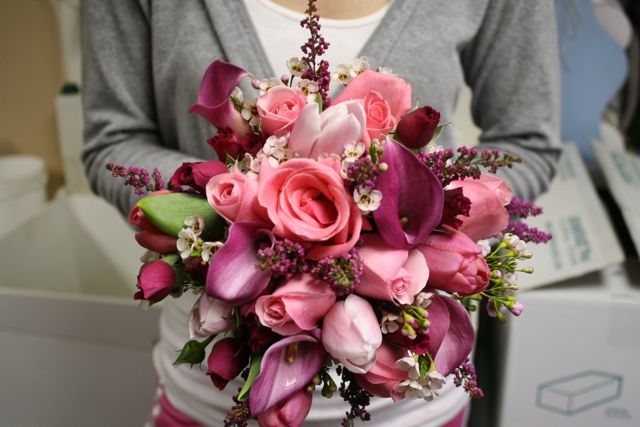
point(276, 26)
point(190, 390)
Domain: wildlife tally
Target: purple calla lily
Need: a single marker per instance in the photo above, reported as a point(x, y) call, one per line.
point(287, 366)
point(214, 102)
point(412, 198)
point(451, 336)
point(233, 275)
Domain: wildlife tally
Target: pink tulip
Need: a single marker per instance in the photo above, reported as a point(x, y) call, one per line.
point(155, 281)
point(391, 274)
point(214, 97)
point(296, 306)
point(316, 133)
point(351, 333)
point(290, 412)
point(455, 262)
point(384, 376)
point(416, 128)
point(227, 359)
point(487, 216)
point(209, 316)
point(279, 108)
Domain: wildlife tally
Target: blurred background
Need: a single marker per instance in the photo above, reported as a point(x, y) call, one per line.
point(76, 350)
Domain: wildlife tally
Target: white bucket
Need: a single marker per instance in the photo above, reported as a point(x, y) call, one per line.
point(23, 181)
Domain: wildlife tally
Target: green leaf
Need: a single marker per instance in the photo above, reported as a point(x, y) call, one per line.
point(192, 353)
point(254, 370)
point(168, 212)
point(319, 101)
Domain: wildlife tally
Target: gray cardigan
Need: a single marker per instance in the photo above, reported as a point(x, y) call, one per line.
point(143, 61)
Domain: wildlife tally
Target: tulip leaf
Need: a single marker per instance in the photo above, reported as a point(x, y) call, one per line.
point(254, 370)
point(168, 212)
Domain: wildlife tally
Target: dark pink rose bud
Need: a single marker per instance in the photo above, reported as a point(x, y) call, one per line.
point(290, 412)
point(197, 175)
point(416, 128)
point(455, 262)
point(227, 359)
point(155, 281)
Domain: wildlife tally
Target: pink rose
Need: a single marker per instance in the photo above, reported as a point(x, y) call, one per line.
point(209, 316)
point(455, 263)
point(316, 133)
point(234, 196)
point(351, 334)
point(295, 307)
point(487, 216)
point(380, 120)
point(279, 108)
point(290, 412)
point(307, 203)
point(384, 376)
point(385, 97)
point(391, 274)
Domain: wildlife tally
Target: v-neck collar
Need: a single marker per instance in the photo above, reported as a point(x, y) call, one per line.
point(241, 44)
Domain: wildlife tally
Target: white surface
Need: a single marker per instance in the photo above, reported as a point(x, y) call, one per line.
point(585, 325)
point(70, 124)
point(583, 237)
point(76, 349)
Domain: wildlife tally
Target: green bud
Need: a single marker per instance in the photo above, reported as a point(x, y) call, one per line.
point(192, 353)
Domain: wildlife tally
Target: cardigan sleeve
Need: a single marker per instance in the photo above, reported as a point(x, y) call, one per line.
point(118, 98)
point(512, 67)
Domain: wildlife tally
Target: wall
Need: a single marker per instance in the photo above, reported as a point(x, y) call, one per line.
point(31, 74)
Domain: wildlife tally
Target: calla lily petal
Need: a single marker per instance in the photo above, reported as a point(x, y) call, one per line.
point(233, 275)
point(287, 366)
point(421, 211)
point(451, 335)
point(214, 103)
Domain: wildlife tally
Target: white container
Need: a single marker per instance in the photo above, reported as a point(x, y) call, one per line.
point(76, 349)
point(23, 181)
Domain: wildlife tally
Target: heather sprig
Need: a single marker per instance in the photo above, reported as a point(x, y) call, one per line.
point(528, 234)
point(467, 163)
point(315, 47)
point(341, 273)
point(465, 376)
point(138, 178)
point(239, 414)
point(284, 258)
point(363, 172)
point(355, 396)
point(523, 208)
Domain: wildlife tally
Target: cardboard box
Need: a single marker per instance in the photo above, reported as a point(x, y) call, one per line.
point(584, 240)
point(76, 349)
point(572, 358)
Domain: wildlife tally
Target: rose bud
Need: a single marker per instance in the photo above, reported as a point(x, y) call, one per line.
point(290, 412)
point(196, 175)
point(416, 128)
point(155, 281)
point(455, 262)
point(209, 316)
point(227, 359)
point(351, 333)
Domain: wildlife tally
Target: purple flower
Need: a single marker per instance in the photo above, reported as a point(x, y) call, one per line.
point(412, 198)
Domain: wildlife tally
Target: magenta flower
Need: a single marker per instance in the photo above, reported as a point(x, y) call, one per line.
point(412, 198)
point(197, 175)
point(234, 276)
point(227, 359)
point(291, 412)
point(451, 336)
point(155, 281)
point(287, 367)
point(214, 98)
point(416, 128)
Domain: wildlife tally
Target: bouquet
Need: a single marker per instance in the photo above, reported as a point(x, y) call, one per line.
point(334, 246)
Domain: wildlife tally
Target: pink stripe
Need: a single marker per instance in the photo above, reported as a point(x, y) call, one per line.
point(459, 420)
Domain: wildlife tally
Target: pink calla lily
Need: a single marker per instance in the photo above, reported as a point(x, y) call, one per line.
point(214, 102)
point(233, 274)
point(287, 367)
point(407, 216)
point(450, 336)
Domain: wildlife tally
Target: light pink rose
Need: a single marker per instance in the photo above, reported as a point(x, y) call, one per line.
point(279, 107)
point(296, 306)
point(351, 333)
point(487, 216)
point(384, 376)
point(209, 316)
point(316, 133)
point(234, 196)
point(307, 203)
point(391, 274)
point(386, 98)
point(455, 262)
point(290, 412)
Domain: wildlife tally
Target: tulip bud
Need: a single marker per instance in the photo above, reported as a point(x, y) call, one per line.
point(416, 128)
point(227, 359)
